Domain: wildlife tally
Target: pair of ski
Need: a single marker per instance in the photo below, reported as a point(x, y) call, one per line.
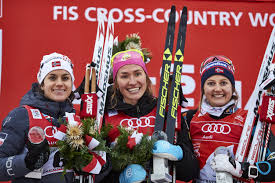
point(102, 61)
point(102, 58)
point(160, 165)
point(260, 138)
point(252, 114)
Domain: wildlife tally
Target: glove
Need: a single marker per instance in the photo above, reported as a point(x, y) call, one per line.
point(164, 149)
point(38, 155)
point(133, 173)
point(224, 163)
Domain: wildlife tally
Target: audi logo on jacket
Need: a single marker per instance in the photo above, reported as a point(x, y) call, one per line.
point(207, 134)
point(144, 124)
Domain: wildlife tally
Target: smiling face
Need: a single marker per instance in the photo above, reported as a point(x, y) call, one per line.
point(131, 81)
point(57, 85)
point(218, 90)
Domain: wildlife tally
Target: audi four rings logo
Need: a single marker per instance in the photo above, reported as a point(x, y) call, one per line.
point(216, 128)
point(139, 122)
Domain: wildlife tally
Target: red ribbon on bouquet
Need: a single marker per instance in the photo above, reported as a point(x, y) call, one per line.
point(134, 139)
point(91, 142)
point(94, 167)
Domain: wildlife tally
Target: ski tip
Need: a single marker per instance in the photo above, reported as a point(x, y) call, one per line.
point(172, 16)
point(173, 8)
point(184, 8)
point(184, 11)
point(183, 16)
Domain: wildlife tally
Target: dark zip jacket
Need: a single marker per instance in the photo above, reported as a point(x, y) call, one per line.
point(14, 132)
point(13, 137)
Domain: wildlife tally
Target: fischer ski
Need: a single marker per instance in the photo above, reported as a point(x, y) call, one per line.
point(253, 109)
point(176, 79)
point(160, 165)
point(165, 71)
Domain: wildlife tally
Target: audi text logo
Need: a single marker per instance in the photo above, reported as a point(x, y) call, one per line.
point(139, 122)
point(216, 128)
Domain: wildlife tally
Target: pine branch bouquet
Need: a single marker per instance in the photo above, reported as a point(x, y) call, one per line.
point(74, 147)
point(126, 151)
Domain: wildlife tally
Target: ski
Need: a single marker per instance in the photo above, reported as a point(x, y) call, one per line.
point(259, 130)
point(98, 48)
point(100, 64)
point(102, 61)
point(165, 71)
point(160, 165)
point(253, 109)
point(97, 55)
point(103, 74)
point(176, 79)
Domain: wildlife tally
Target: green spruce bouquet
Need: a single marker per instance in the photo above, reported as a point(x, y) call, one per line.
point(122, 155)
point(73, 148)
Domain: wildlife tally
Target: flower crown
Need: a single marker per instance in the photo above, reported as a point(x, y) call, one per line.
point(132, 41)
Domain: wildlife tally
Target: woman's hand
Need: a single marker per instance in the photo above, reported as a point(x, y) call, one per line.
point(37, 156)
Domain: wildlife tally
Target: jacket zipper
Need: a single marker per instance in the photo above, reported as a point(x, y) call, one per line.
point(138, 111)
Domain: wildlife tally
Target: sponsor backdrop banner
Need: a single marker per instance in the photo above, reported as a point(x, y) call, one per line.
point(33, 28)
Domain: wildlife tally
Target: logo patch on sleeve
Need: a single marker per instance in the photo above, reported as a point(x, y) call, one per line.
point(3, 137)
point(36, 114)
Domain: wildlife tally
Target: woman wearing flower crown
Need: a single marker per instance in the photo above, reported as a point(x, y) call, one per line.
point(133, 106)
point(26, 153)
